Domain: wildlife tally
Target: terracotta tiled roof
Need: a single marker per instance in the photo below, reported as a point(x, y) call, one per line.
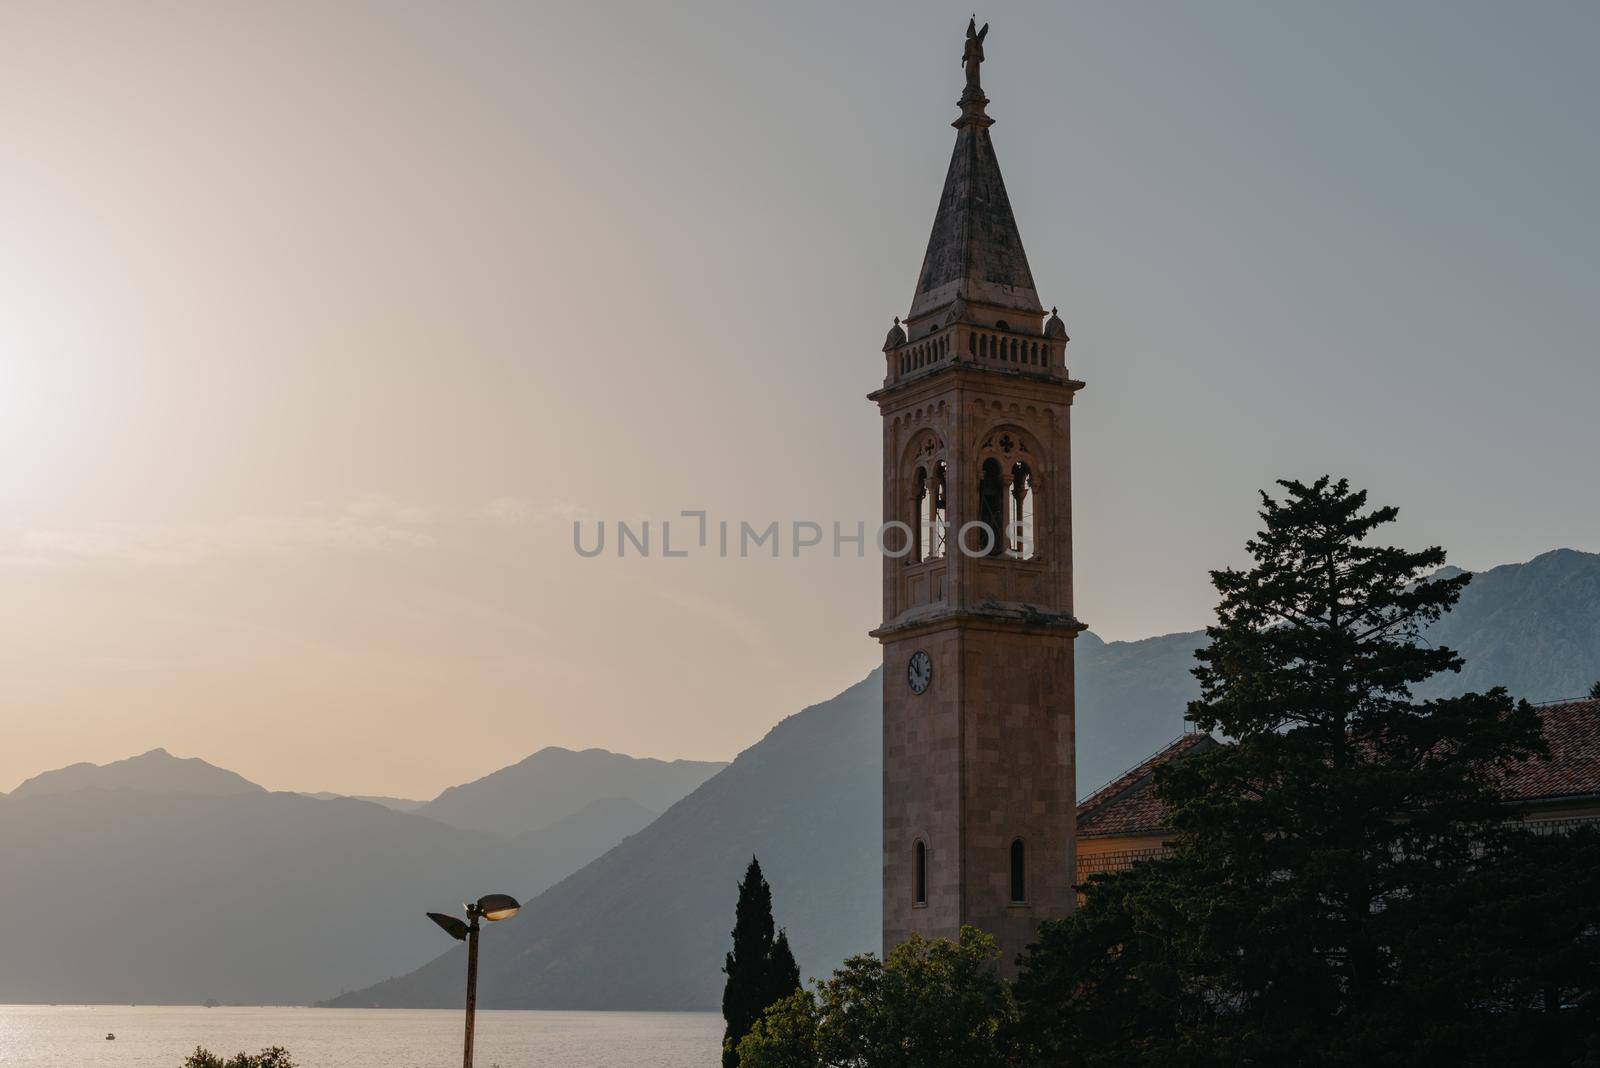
point(1128, 805)
point(1572, 731)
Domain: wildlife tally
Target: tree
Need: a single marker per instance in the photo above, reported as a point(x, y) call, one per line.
point(931, 1003)
point(760, 969)
point(1101, 987)
point(786, 1036)
point(1523, 935)
point(1594, 691)
point(272, 1057)
point(1324, 864)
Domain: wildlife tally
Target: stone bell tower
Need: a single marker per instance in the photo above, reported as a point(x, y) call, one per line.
point(978, 760)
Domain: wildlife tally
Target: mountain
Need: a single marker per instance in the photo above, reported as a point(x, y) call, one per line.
point(1131, 698)
point(1533, 628)
point(157, 771)
point(579, 837)
point(114, 896)
point(399, 804)
point(119, 895)
point(645, 926)
point(556, 782)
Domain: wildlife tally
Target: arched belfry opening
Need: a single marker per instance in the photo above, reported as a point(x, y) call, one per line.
point(991, 509)
point(927, 513)
point(1009, 496)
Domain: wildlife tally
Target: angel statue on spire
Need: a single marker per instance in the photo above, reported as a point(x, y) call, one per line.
point(972, 54)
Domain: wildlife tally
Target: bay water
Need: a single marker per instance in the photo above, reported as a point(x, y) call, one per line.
point(161, 1036)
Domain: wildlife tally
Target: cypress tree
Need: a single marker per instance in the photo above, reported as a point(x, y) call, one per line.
point(761, 969)
point(783, 974)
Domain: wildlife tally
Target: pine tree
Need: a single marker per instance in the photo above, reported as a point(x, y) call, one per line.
point(1346, 808)
point(1316, 900)
point(1594, 691)
point(761, 970)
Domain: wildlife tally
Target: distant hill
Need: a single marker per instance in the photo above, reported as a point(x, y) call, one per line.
point(157, 771)
point(123, 895)
point(556, 782)
point(644, 926)
point(118, 896)
point(1131, 699)
point(1533, 628)
point(399, 804)
point(579, 837)
point(163, 879)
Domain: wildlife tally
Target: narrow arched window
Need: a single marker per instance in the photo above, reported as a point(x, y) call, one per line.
point(992, 507)
point(1019, 871)
point(922, 872)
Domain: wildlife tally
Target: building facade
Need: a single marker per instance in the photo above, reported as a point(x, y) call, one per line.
point(978, 626)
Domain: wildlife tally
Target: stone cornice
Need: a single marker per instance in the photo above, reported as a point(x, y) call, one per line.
point(935, 377)
point(998, 615)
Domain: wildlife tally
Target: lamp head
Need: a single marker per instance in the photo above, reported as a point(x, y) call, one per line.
point(452, 926)
point(498, 906)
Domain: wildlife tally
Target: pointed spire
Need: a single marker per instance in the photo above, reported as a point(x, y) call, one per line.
point(975, 252)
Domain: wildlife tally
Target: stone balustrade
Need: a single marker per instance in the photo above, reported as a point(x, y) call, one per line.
point(987, 346)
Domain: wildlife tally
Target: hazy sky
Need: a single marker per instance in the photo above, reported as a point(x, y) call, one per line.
point(319, 323)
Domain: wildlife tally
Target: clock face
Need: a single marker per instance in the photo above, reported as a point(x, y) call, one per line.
point(919, 671)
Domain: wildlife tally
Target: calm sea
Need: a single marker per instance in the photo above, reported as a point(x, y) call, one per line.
point(56, 1036)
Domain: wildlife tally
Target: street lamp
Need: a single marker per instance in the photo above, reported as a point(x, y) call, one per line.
point(489, 907)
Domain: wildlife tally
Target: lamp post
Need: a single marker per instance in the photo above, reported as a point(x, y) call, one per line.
point(490, 907)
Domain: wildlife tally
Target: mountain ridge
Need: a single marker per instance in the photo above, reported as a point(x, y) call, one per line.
point(246, 896)
point(639, 886)
point(153, 771)
point(643, 927)
point(257, 896)
point(555, 781)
